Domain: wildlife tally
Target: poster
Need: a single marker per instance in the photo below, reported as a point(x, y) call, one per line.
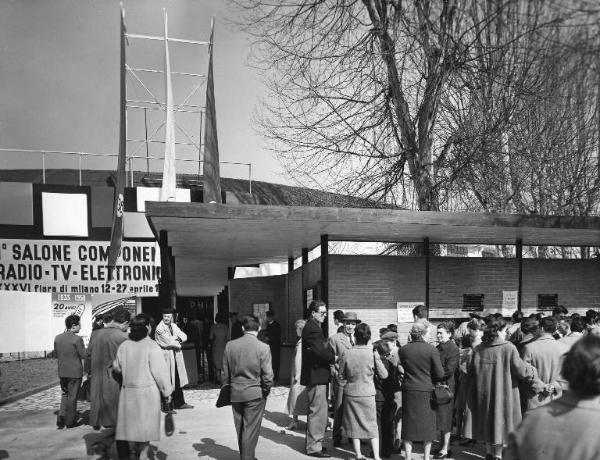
point(78, 267)
point(509, 301)
point(404, 311)
point(64, 305)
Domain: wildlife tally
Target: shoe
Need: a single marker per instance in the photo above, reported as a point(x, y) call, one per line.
point(468, 442)
point(60, 423)
point(319, 455)
point(185, 406)
point(445, 455)
point(73, 425)
point(489, 457)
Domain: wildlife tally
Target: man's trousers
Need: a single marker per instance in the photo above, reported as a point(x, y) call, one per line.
point(247, 417)
point(338, 412)
point(68, 400)
point(316, 421)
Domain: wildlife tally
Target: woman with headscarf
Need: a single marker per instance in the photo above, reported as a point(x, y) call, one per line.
point(422, 368)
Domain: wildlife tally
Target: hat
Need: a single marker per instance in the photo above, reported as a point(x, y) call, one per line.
point(391, 336)
point(350, 316)
point(167, 310)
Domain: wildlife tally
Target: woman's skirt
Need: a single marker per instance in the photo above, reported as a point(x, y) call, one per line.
point(297, 403)
point(418, 416)
point(444, 414)
point(359, 419)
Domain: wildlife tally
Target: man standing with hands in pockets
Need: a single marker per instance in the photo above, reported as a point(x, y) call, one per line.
point(247, 368)
point(317, 356)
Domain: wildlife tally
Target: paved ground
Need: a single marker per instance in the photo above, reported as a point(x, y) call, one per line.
point(27, 431)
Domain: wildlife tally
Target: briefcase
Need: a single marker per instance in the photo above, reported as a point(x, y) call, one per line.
point(224, 398)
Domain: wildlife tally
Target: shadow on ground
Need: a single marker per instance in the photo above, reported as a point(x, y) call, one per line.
point(209, 447)
point(278, 418)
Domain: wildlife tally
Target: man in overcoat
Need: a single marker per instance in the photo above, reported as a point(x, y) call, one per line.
point(247, 368)
point(169, 337)
point(273, 334)
point(105, 389)
point(69, 350)
point(546, 355)
point(317, 356)
point(339, 343)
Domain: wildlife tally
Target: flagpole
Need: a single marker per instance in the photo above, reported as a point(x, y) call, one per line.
point(116, 236)
point(169, 183)
point(212, 175)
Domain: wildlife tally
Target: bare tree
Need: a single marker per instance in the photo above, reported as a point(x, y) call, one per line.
point(395, 100)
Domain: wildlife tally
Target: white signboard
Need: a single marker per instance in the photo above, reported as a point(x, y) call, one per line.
point(78, 267)
point(405, 311)
point(64, 305)
point(510, 300)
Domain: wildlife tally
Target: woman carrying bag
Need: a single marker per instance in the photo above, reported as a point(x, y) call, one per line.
point(145, 376)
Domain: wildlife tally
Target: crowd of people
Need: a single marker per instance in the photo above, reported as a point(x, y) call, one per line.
point(134, 368)
point(471, 383)
point(526, 388)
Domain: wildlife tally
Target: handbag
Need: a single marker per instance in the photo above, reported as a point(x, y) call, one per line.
point(441, 395)
point(169, 424)
point(84, 391)
point(224, 398)
point(166, 406)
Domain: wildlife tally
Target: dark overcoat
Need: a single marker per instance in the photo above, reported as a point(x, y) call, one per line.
point(316, 355)
point(104, 394)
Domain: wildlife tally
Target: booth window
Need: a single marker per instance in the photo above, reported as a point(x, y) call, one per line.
point(547, 301)
point(472, 302)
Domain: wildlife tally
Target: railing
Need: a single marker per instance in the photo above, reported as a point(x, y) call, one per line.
point(130, 160)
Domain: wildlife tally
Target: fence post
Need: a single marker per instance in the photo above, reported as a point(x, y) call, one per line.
point(43, 167)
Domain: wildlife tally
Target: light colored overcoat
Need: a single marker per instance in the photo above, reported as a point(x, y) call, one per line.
point(145, 373)
point(545, 354)
point(172, 350)
point(104, 393)
point(493, 393)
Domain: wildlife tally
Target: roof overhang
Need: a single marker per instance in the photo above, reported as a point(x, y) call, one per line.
point(207, 238)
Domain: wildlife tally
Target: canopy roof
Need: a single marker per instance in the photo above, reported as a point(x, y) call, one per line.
point(207, 238)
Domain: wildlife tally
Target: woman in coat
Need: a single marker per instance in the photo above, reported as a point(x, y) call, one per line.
point(356, 371)
point(464, 414)
point(145, 375)
point(566, 428)
point(218, 340)
point(495, 369)
point(297, 403)
point(422, 367)
point(449, 356)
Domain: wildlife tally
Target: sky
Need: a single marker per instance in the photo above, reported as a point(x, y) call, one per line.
point(59, 68)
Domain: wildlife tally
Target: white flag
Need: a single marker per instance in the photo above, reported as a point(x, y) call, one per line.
point(169, 182)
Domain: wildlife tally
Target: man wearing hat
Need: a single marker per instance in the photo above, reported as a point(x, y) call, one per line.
point(387, 391)
point(339, 343)
point(169, 337)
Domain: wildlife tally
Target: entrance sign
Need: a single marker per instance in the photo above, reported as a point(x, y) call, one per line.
point(78, 267)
